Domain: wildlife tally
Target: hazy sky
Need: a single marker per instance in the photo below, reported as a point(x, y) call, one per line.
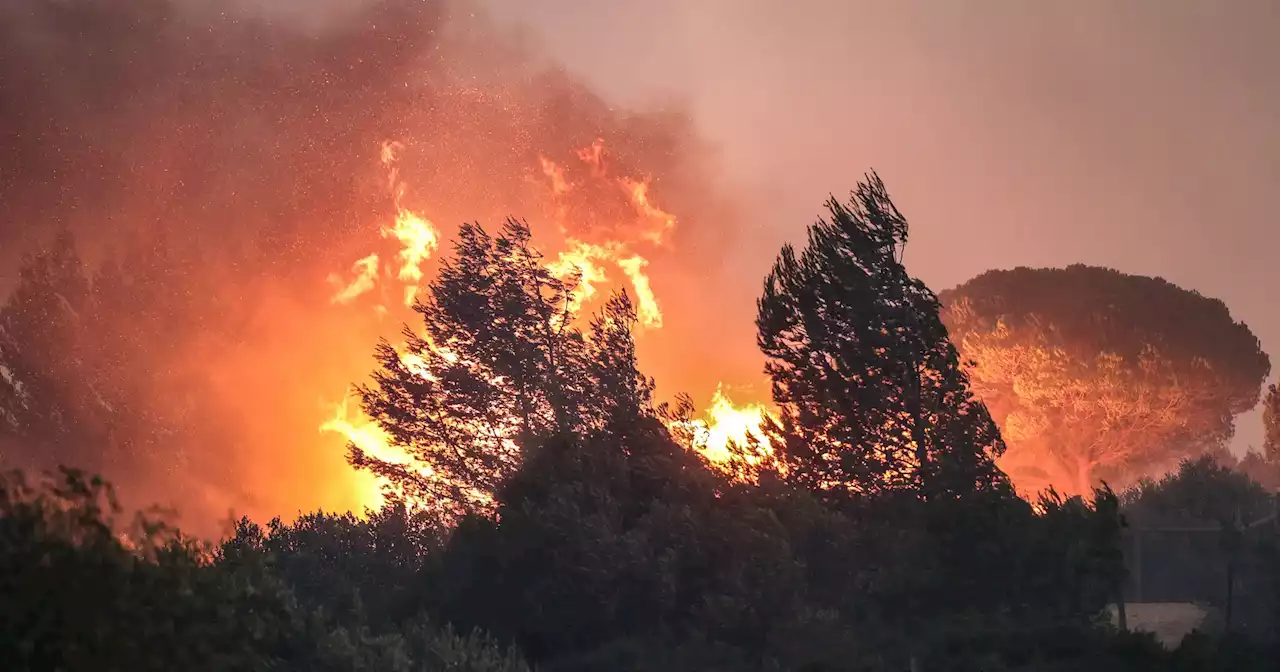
point(1141, 135)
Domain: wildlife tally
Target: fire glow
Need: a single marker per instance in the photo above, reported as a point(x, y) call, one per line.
point(723, 424)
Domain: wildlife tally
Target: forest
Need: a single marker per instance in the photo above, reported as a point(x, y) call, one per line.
point(553, 516)
point(1027, 472)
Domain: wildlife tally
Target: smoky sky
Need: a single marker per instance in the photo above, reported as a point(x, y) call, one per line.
point(1139, 135)
point(1136, 134)
point(246, 136)
point(258, 127)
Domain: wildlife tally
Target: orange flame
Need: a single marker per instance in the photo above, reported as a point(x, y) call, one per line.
point(580, 259)
point(366, 435)
point(646, 304)
point(639, 193)
point(366, 271)
point(584, 256)
point(725, 422)
point(418, 236)
point(418, 239)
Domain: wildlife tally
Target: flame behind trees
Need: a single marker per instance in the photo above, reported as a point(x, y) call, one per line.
point(602, 218)
point(581, 208)
point(871, 392)
point(499, 365)
point(1098, 375)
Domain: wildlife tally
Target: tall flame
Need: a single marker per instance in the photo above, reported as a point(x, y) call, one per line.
point(580, 259)
point(418, 239)
point(639, 193)
point(646, 304)
point(417, 236)
point(585, 258)
point(366, 435)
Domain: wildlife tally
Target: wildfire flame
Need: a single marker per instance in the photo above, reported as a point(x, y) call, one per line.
point(366, 435)
point(418, 238)
point(580, 258)
point(586, 258)
point(639, 192)
point(725, 422)
point(366, 271)
point(646, 305)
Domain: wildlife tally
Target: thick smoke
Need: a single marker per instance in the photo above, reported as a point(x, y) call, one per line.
point(244, 144)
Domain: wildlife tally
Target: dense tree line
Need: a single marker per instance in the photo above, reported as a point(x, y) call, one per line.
point(551, 516)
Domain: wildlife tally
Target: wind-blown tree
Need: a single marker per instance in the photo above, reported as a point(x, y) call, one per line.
point(499, 364)
point(870, 390)
point(877, 420)
point(1094, 375)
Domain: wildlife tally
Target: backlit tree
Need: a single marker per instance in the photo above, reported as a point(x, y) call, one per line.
point(1094, 374)
point(498, 364)
point(871, 392)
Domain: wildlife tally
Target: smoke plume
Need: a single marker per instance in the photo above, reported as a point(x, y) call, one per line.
point(243, 144)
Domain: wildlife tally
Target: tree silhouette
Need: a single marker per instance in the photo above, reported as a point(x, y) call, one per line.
point(499, 363)
point(870, 389)
point(1097, 375)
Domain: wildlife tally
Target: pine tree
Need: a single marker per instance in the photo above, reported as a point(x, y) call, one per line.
point(498, 366)
point(872, 395)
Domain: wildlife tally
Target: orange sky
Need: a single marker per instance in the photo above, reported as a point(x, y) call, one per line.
point(1141, 135)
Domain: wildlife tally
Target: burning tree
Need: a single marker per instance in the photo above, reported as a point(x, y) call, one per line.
point(499, 364)
point(1098, 375)
point(871, 392)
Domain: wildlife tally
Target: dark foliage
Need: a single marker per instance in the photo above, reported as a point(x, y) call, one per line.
point(81, 595)
point(499, 364)
point(872, 395)
point(607, 544)
point(1208, 534)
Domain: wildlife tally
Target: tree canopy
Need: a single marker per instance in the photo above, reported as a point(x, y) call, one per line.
point(499, 363)
point(870, 388)
point(1094, 374)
